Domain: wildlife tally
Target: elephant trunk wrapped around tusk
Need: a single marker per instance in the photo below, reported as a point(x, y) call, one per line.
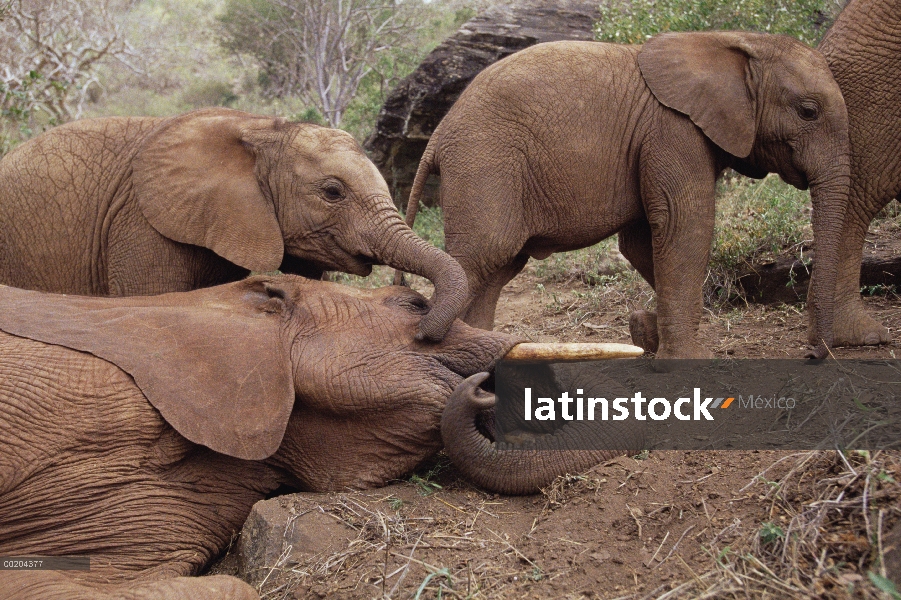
point(571, 351)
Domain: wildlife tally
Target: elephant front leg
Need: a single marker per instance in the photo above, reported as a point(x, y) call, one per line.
point(852, 325)
point(678, 196)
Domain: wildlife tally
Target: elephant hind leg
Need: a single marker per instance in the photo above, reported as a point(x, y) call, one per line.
point(55, 585)
point(484, 298)
point(636, 245)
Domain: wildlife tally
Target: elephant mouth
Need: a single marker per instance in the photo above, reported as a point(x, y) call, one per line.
point(354, 264)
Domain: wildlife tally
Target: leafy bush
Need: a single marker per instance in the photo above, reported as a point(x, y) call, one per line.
point(634, 21)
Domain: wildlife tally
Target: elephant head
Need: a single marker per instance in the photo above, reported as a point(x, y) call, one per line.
point(266, 194)
point(326, 381)
point(771, 105)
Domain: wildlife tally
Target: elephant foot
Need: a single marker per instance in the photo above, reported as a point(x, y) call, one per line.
point(854, 327)
point(643, 329)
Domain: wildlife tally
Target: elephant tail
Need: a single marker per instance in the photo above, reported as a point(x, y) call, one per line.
point(427, 166)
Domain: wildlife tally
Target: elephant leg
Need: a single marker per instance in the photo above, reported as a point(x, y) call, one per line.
point(484, 298)
point(55, 585)
point(636, 245)
point(678, 190)
point(852, 325)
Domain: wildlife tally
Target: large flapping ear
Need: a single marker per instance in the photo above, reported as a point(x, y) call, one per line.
point(211, 361)
point(196, 183)
point(706, 76)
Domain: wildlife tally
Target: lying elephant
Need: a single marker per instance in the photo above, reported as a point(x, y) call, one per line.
point(566, 143)
point(863, 49)
point(140, 206)
point(140, 431)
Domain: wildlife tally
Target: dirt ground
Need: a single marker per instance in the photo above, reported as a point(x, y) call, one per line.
point(724, 524)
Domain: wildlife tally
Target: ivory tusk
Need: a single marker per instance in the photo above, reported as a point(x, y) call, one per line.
point(571, 351)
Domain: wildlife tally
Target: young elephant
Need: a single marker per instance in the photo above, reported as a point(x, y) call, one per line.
point(140, 431)
point(564, 144)
point(140, 206)
point(863, 49)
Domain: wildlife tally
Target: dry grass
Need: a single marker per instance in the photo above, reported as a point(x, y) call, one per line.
point(822, 534)
point(829, 516)
point(386, 548)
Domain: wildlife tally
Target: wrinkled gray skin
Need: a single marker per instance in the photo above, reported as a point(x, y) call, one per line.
point(863, 49)
point(564, 144)
point(139, 206)
point(140, 431)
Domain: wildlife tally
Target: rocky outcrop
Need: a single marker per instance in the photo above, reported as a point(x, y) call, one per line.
point(415, 107)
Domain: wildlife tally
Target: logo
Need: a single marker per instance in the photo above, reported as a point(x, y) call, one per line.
point(619, 409)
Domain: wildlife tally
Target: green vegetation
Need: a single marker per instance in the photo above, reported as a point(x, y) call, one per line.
point(634, 21)
point(172, 56)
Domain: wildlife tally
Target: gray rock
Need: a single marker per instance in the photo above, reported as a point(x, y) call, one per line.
point(282, 531)
point(416, 106)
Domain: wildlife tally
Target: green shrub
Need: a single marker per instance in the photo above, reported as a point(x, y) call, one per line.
point(634, 21)
point(755, 218)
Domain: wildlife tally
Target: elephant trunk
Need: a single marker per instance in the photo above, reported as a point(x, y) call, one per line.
point(397, 246)
point(505, 471)
point(829, 197)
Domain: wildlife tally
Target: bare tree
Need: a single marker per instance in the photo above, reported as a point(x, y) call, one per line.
point(318, 50)
point(50, 50)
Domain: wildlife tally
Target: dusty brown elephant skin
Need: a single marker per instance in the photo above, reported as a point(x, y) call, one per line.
point(140, 431)
point(140, 206)
point(564, 144)
point(863, 49)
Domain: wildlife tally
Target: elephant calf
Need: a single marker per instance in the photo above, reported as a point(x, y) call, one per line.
point(140, 431)
point(139, 206)
point(566, 143)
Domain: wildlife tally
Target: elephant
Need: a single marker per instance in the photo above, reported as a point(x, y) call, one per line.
point(863, 49)
point(563, 144)
point(141, 430)
point(127, 206)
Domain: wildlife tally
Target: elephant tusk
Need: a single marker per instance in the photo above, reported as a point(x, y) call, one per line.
point(571, 351)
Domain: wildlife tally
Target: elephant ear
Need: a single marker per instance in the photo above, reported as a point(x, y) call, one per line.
point(210, 361)
point(196, 183)
point(705, 76)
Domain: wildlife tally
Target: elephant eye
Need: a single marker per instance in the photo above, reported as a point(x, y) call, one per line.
point(809, 111)
point(333, 191)
point(417, 304)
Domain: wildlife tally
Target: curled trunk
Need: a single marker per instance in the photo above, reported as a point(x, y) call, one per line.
point(402, 249)
point(521, 471)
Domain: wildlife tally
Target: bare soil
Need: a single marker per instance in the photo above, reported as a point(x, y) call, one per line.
point(725, 524)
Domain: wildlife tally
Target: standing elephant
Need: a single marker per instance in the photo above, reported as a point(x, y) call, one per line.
point(140, 431)
point(863, 49)
point(564, 144)
point(139, 206)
